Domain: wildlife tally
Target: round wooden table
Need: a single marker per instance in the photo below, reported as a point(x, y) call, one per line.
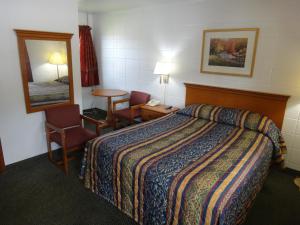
point(109, 93)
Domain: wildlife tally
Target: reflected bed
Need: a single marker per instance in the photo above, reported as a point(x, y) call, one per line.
point(51, 92)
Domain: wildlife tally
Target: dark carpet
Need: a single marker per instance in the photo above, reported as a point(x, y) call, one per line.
point(36, 192)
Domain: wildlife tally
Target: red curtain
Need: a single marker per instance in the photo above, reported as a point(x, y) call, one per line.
point(88, 59)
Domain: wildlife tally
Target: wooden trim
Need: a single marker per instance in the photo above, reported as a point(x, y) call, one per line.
point(22, 36)
point(42, 35)
point(257, 30)
point(271, 105)
point(2, 163)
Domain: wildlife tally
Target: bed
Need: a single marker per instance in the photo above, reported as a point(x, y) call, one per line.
point(48, 92)
point(202, 165)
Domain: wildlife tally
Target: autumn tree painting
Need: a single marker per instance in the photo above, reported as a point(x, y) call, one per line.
point(228, 52)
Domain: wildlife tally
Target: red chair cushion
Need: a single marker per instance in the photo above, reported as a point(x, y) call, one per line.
point(74, 137)
point(125, 113)
point(137, 97)
point(64, 116)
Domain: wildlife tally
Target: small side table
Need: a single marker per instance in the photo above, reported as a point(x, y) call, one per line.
point(153, 112)
point(109, 93)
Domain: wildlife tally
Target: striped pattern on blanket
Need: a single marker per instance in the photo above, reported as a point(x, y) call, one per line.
point(179, 169)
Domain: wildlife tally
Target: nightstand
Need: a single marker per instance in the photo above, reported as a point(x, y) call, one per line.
point(153, 112)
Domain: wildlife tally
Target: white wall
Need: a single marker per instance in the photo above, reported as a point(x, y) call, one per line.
point(130, 42)
point(22, 134)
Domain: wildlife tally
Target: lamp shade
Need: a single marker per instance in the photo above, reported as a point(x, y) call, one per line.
point(57, 58)
point(162, 68)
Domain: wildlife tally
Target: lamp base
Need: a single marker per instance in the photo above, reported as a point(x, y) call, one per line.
point(57, 72)
point(297, 182)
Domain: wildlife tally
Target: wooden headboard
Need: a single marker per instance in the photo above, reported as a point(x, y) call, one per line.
point(271, 105)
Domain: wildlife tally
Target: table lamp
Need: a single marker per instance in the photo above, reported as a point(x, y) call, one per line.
point(163, 69)
point(57, 59)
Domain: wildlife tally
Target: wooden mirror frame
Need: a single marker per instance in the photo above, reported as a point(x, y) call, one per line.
point(22, 36)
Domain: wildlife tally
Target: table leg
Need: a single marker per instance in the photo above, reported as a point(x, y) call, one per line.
point(109, 111)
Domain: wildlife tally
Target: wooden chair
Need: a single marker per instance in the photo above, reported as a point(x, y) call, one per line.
point(64, 126)
point(136, 100)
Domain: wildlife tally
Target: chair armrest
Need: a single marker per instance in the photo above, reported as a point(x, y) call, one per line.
point(99, 123)
point(59, 130)
point(52, 127)
point(91, 120)
point(134, 108)
point(118, 102)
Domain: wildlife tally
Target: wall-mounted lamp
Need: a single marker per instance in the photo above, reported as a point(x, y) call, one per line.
point(57, 59)
point(163, 69)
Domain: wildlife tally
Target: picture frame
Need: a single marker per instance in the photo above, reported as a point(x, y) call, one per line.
point(229, 51)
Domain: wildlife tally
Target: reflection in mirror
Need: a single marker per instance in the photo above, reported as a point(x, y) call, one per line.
point(46, 64)
point(47, 72)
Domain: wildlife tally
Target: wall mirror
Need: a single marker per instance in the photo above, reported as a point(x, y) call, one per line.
point(46, 66)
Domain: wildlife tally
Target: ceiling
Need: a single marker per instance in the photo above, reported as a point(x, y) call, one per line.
point(113, 5)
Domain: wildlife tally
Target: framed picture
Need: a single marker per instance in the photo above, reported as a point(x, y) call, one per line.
point(229, 51)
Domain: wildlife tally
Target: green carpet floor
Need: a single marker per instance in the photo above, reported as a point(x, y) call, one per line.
point(36, 192)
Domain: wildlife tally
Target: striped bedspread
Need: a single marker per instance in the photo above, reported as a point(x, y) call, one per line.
point(182, 168)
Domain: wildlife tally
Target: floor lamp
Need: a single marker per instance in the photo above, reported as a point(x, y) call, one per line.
point(163, 69)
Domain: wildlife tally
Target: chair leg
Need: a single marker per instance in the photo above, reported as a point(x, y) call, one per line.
point(65, 159)
point(115, 122)
point(131, 121)
point(48, 145)
point(49, 149)
point(65, 153)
